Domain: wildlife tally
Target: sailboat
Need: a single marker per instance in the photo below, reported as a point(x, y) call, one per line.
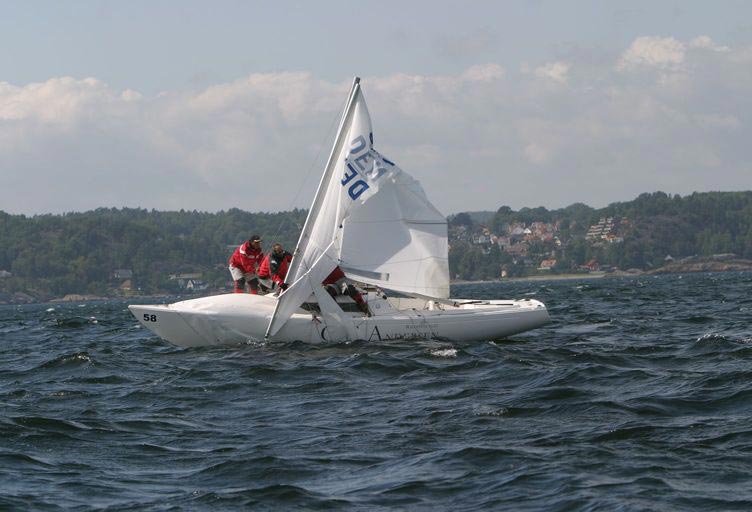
point(374, 222)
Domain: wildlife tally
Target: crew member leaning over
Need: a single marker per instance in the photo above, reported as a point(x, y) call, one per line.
point(273, 269)
point(244, 264)
point(336, 283)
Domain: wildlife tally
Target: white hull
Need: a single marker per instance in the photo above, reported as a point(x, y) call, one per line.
point(238, 318)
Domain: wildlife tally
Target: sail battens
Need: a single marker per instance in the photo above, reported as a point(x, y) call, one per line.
point(363, 264)
point(356, 272)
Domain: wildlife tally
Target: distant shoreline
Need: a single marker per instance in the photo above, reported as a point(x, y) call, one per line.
point(560, 277)
point(551, 277)
point(689, 266)
point(75, 297)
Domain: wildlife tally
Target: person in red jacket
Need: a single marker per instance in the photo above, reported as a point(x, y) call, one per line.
point(244, 264)
point(273, 269)
point(336, 284)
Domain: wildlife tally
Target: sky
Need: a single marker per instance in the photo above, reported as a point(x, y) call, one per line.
point(214, 105)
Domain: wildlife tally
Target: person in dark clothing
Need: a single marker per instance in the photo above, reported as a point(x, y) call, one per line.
point(273, 269)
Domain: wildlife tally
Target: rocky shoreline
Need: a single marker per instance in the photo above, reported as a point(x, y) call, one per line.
point(715, 264)
point(75, 297)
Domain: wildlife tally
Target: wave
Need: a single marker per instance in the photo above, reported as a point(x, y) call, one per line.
point(75, 322)
point(45, 424)
point(75, 359)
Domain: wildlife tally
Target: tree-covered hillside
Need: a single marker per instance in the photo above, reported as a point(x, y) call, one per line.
point(50, 255)
point(639, 234)
point(53, 255)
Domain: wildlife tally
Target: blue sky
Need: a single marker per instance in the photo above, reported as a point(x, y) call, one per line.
point(525, 97)
point(152, 46)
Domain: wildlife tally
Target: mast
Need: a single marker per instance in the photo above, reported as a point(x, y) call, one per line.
point(320, 192)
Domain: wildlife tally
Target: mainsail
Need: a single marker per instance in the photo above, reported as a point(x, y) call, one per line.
point(370, 218)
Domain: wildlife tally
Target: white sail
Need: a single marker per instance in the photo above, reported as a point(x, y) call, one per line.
point(396, 239)
point(370, 218)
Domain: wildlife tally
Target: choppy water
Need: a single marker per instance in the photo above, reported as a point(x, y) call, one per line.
point(636, 397)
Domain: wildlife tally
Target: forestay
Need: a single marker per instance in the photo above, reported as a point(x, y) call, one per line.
point(370, 218)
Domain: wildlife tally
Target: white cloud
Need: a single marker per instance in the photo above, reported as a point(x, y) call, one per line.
point(706, 43)
point(663, 52)
point(58, 100)
point(556, 71)
point(483, 73)
point(668, 114)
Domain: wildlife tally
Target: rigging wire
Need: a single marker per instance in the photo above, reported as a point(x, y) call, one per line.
point(308, 172)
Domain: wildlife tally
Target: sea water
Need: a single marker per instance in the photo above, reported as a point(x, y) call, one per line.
point(638, 396)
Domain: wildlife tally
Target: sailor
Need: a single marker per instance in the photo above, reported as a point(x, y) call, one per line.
point(337, 284)
point(244, 264)
point(273, 269)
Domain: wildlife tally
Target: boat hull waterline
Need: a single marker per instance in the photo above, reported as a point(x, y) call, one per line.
point(241, 318)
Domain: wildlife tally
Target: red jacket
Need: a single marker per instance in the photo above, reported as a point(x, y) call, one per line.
point(335, 276)
point(275, 267)
point(246, 258)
